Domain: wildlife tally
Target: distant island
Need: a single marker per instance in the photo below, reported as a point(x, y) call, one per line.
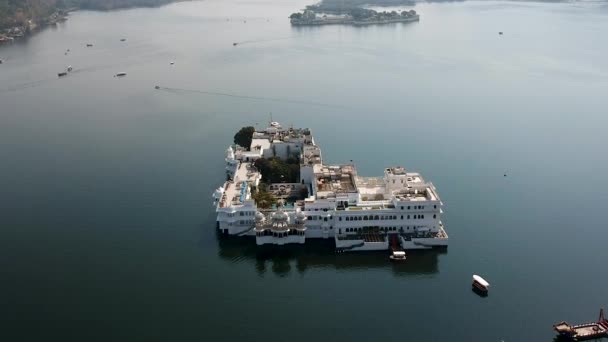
point(18, 18)
point(344, 6)
point(352, 16)
point(353, 12)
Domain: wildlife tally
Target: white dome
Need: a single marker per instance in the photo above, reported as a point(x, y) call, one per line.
point(280, 216)
point(229, 153)
point(217, 194)
point(259, 216)
point(300, 215)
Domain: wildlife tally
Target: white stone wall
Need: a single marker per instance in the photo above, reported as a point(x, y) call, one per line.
point(290, 239)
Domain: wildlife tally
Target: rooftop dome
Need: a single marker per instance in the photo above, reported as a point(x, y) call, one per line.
point(259, 217)
point(280, 216)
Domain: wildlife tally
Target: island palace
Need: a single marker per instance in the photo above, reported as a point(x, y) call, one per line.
point(398, 210)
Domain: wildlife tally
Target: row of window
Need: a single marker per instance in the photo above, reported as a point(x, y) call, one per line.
point(315, 218)
point(417, 207)
point(409, 207)
point(246, 213)
point(382, 217)
point(279, 234)
point(244, 222)
point(381, 229)
point(370, 217)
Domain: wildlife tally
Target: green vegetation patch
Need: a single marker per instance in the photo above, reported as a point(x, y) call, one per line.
point(244, 136)
point(275, 170)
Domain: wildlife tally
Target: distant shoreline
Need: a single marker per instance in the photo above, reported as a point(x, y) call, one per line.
point(29, 25)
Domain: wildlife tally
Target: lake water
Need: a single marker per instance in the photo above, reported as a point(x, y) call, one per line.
point(107, 228)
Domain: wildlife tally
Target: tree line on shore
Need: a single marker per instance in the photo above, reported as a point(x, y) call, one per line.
point(19, 12)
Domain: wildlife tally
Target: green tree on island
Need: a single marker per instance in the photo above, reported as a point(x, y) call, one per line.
point(275, 170)
point(263, 199)
point(244, 136)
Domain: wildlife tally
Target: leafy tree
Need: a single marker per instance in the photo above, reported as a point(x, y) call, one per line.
point(275, 170)
point(263, 199)
point(244, 136)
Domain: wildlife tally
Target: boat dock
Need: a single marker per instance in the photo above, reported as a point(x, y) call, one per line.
point(585, 331)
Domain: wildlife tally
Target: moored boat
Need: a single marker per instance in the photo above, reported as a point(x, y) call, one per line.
point(585, 331)
point(398, 256)
point(480, 284)
point(121, 74)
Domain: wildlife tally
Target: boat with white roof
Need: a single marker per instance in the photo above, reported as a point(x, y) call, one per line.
point(480, 284)
point(322, 201)
point(398, 256)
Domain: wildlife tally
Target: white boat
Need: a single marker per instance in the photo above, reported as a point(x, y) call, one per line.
point(480, 283)
point(398, 256)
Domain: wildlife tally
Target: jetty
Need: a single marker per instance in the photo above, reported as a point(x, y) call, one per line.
point(585, 331)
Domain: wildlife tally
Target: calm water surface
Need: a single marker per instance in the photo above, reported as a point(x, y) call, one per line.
point(107, 230)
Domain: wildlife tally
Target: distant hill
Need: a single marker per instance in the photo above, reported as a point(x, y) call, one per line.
point(113, 4)
point(342, 6)
point(17, 12)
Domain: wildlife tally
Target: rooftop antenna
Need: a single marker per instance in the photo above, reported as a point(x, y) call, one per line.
point(270, 117)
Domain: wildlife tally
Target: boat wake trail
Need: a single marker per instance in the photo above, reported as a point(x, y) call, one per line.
point(22, 86)
point(260, 40)
point(247, 97)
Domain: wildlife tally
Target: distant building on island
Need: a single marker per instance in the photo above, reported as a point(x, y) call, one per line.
point(355, 16)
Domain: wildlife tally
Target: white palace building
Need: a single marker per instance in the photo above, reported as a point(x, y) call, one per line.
point(398, 210)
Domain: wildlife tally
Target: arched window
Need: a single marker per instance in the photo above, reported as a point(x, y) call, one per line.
point(434, 216)
point(365, 218)
point(376, 217)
